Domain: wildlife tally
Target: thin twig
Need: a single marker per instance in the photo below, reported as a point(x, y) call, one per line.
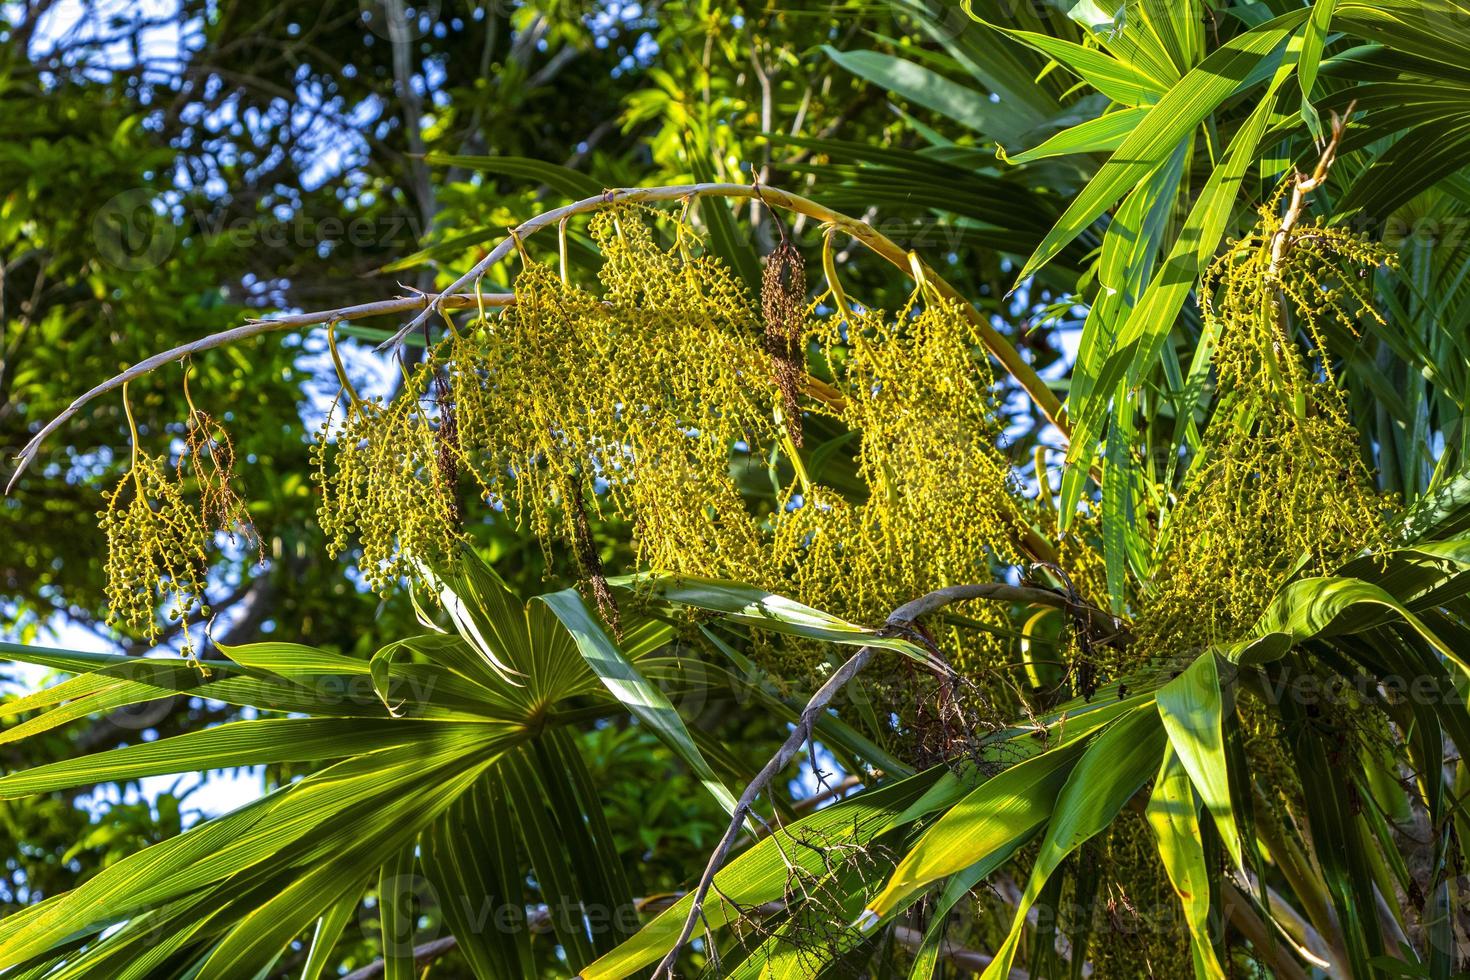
point(1306, 184)
point(817, 800)
point(1110, 629)
point(423, 954)
point(900, 620)
point(251, 328)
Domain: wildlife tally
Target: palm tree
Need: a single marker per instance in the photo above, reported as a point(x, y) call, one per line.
point(1212, 681)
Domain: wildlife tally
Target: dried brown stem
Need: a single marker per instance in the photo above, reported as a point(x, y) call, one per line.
point(1305, 184)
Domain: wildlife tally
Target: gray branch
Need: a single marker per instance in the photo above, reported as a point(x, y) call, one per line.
point(251, 328)
point(901, 619)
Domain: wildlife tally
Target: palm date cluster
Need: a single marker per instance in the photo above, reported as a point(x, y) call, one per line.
point(157, 541)
point(651, 399)
point(1281, 487)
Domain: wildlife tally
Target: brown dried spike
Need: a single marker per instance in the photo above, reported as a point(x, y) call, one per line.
point(590, 561)
point(210, 453)
point(783, 307)
point(447, 440)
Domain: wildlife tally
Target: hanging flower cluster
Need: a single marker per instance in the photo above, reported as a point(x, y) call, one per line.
point(665, 398)
point(1281, 487)
point(940, 507)
point(208, 458)
point(655, 398)
point(157, 540)
point(663, 370)
point(155, 549)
